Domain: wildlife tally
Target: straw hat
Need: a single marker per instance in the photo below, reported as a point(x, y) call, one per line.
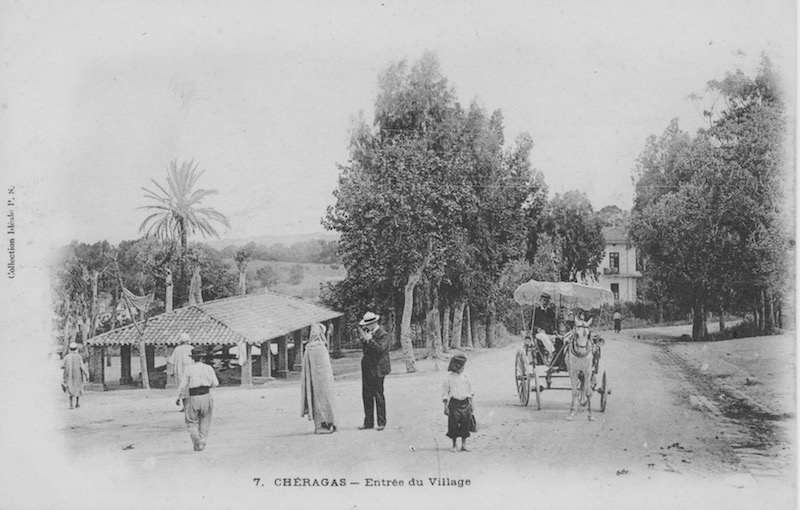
point(369, 318)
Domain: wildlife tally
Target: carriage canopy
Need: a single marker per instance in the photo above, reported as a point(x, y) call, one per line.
point(564, 294)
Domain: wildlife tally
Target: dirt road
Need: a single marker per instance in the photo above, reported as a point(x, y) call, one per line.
point(674, 435)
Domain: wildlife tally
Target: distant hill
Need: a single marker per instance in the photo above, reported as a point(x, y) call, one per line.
point(267, 241)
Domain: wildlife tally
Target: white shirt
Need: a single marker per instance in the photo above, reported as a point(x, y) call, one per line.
point(456, 386)
point(196, 375)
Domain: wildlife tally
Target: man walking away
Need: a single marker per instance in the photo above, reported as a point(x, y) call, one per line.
point(74, 375)
point(375, 365)
point(198, 405)
point(617, 322)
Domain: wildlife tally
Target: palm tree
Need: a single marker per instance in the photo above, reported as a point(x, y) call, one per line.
point(177, 212)
point(176, 209)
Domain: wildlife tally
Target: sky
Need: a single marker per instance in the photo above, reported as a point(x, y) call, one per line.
point(96, 98)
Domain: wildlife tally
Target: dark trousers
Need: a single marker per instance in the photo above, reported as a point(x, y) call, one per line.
point(617, 325)
point(372, 395)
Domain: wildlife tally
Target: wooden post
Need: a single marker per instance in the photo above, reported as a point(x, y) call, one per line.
point(125, 365)
point(247, 368)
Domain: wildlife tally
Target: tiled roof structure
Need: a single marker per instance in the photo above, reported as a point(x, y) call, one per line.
point(254, 319)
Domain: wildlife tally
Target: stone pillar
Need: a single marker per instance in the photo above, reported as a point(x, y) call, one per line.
point(297, 352)
point(247, 368)
point(283, 358)
point(125, 365)
point(266, 360)
point(96, 368)
point(150, 356)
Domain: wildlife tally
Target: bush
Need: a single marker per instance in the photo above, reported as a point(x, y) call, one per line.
point(296, 274)
point(746, 329)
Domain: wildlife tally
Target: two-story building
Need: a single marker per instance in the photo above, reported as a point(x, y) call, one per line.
point(621, 265)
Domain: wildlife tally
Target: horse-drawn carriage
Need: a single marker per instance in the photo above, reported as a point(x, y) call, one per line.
point(576, 350)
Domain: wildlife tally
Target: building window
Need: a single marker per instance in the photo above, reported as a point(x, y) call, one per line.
point(613, 262)
point(615, 290)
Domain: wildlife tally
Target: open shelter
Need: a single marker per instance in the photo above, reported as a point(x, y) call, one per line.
point(242, 321)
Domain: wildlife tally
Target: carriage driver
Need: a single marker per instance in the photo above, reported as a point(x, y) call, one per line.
point(544, 324)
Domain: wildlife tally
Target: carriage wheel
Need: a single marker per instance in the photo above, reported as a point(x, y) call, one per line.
point(523, 382)
point(538, 390)
point(604, 392)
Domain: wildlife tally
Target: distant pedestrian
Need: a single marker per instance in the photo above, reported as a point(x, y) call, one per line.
point(180, 358)
point(457, 397)
point(316, 383)
point(74, 375)
point(617, 322)
point(375, 365)
point(196, 383)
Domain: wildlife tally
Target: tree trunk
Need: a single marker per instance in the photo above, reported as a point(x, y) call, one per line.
point(242, 282)
point(699, 327)
point(721, 319)
point(67, 335)
point(769, 317)
point(473, 328)
point(434, 327)
point(446, 328)
point(660, 312)
point(490, 326)
point(94, 312)
point(458, 316)
point(84, 327)
point(408, 307)
point(760, 309)
point(397, 315)
point(143, 363)
point(169, 291)
point(469, 328)
point(196, 287)
point(406, 341)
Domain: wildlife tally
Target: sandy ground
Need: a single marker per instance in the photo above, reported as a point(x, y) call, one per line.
point(688, 425)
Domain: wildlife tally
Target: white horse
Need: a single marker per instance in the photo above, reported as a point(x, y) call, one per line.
point(579, 356)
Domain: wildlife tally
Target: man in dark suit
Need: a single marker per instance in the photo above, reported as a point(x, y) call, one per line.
point(375, 365)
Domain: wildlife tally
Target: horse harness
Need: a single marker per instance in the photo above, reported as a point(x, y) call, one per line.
point(581, 351)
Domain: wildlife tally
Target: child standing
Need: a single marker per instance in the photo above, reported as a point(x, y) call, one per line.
point(457, 397)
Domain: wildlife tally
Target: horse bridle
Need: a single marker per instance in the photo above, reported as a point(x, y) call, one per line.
point(584, 350)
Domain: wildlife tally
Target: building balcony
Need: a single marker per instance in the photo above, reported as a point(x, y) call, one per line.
point(608, 271)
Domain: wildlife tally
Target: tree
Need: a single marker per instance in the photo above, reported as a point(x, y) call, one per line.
point(243, 257)
point(267, 276)
point(296, 274)
point(82, 273)
point(713, 228)
point(579, 235)
point(399, 198)
point(613, 216)
point(177, 212)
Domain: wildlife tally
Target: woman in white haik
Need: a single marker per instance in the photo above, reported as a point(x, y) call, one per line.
point(316, 383)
